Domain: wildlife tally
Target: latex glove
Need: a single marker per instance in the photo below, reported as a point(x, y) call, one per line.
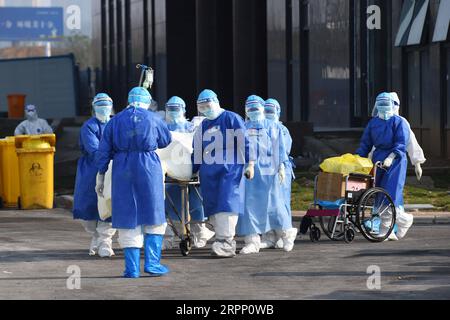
point(250, 171)
point(100, 185)
point(282, 174)
point(418, 171)
point(389, 160)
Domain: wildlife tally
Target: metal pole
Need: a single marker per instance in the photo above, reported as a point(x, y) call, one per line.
point(48, 49)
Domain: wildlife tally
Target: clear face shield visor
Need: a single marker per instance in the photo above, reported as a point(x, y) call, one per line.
point(175, 108)
point(271, 112)
point(384, 106)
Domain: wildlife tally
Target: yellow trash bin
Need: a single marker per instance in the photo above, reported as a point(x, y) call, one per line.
point(9, 166)
point(36, 158)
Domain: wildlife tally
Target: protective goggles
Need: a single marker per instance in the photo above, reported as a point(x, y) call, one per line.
point(384, 105)
point(270, 110)
point(175, 108)
point(101, 102)
point(30, 109)
point(253, 106)
point(253, 109)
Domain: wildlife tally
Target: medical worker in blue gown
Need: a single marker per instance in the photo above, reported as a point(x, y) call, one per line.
point(85, 197)
point(177, 122)
point(130, 139)
point(389, 134)
point(417, 157)
point(264, 206)
point(220, 154)
point(283, 239)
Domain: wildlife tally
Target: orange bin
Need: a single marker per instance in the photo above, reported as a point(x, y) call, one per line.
point(16, 106)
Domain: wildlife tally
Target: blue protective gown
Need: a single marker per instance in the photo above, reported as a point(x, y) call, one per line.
point(195, 203)
point(85, 197)
point(265, 207)
point(130, 140)
point(388, 136)
point(289, 165)
point(220, 181)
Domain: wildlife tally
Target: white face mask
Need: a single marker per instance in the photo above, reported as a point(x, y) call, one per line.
point(211, 110)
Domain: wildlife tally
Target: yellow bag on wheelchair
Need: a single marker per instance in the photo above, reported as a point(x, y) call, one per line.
point(346, 164)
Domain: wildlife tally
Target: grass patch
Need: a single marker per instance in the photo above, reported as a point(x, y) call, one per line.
point(303, 193)
point(440, 198)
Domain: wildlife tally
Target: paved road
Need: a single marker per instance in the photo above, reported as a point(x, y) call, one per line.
point(36, 248)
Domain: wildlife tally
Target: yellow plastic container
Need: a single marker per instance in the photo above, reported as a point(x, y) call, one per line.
point(36, 170)
point(9, 167)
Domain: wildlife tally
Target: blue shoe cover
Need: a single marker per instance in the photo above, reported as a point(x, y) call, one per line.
point(132, 262)
point(153, 248)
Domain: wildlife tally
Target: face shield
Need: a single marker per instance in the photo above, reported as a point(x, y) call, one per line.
point(103, 113)
point(175, 113)
point(102, 105)
point(385, 108)
point(254, 111)
point(271, 112)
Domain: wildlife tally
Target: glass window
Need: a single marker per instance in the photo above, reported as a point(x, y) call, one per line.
point(329, 63)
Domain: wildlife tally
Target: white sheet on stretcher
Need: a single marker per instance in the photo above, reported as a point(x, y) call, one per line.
point(175, 161)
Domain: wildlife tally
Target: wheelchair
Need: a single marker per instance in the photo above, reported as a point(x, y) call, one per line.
point(364, 209)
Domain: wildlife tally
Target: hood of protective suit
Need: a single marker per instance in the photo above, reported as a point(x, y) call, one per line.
point(140, 98)
point(31, 113)
point(254, 108)
point(272, 110)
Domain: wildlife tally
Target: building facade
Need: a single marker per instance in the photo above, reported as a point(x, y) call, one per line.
point(324, 60)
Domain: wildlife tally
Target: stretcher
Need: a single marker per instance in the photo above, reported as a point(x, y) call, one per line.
point(184, 234)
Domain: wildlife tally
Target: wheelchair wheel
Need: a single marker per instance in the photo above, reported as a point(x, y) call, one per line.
point(349, 234)
point(376, 215)
point(327, 225)
point(314, 234)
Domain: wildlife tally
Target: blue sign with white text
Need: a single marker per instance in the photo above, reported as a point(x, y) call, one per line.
point(31, 24)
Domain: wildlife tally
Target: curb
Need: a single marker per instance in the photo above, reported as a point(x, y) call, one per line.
point(63, 202)
point(424, 218)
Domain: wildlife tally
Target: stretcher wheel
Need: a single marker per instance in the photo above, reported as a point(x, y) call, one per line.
point(349, 234)
point(314, 234)
point(185, 247)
